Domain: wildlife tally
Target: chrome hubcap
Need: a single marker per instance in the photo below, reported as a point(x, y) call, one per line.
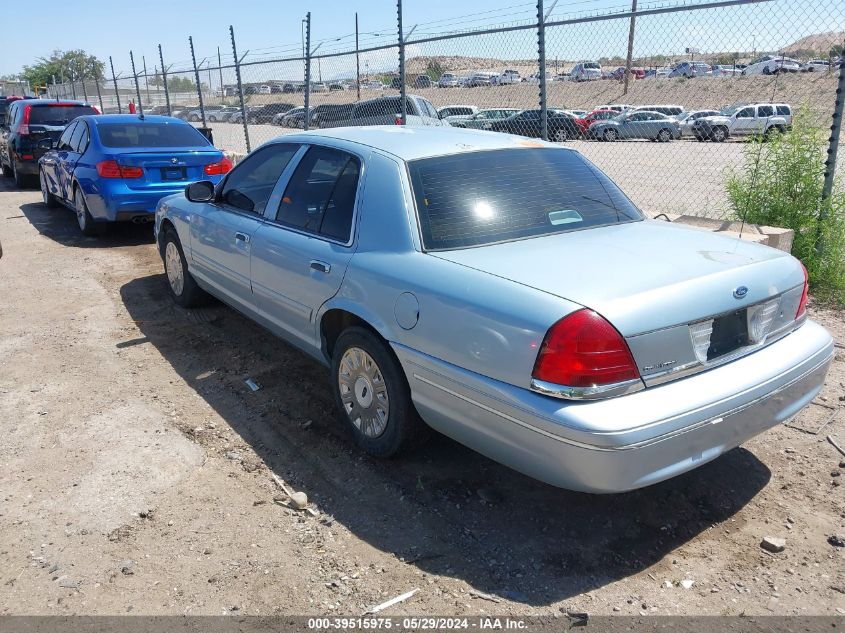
point(363, 392)
point(173, 266)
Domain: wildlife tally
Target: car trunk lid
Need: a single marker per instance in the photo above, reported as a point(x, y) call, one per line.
point(168, 169)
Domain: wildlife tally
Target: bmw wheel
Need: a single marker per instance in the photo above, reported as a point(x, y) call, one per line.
point(181, 283)
point(372, 394)
point(83, 216)
point(49, 199)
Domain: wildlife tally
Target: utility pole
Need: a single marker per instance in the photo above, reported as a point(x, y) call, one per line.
point(631, 27)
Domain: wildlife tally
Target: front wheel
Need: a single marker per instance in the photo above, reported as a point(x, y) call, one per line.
point(560, 135)
point(183, 287)
point(610, 135)
point(372, 394)
point(664, 136)
point(719, 135)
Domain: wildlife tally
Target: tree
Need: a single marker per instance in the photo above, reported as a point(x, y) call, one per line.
point(63, 65)
point(180, 84)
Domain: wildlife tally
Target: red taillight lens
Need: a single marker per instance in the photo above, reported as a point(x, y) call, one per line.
point(398, 120)
point(110, 169)
point(802, 305)
point(584, 350)
point(23, 128)
point(217, 169)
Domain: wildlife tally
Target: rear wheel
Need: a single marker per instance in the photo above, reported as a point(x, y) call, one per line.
point(610, 135)
point(664, 136)
point(183, 287)
point(83, 216)
point(560, 135)
point(49, 199)
point(719, 135)
point(373, 395)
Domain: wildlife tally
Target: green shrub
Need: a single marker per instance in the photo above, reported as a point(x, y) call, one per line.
point(780, 184)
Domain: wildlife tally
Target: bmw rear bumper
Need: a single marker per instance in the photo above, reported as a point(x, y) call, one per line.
point(628, 442)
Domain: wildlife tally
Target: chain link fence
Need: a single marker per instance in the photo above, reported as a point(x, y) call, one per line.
point(662, 97)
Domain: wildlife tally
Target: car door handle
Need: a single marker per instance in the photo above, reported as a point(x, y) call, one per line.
point(322, 267)
point(242, 237)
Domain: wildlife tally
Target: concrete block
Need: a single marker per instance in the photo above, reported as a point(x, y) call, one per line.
point(779, 238)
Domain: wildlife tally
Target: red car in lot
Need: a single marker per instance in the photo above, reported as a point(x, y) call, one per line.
point(587, 120)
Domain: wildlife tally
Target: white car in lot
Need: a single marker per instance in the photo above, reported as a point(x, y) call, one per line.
point(687, 119)
point(507, 77)
point(744, 120)
point(448, 80)
point(726, 70)
point(816, 66)
point(772, 64)
point(586, 71)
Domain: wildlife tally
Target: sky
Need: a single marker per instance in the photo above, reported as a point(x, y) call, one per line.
point(269, 29)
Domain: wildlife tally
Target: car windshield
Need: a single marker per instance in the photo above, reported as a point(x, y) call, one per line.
point(150, 134)
point(479, 198)
point(592, 65)
point(57, 114)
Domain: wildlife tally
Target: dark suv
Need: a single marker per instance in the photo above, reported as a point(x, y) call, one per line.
point(27, 122)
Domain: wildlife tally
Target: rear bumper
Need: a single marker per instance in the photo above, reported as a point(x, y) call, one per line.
point(115, 202)
point(627, 442)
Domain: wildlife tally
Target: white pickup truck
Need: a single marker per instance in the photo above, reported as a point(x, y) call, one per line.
point(745, 120)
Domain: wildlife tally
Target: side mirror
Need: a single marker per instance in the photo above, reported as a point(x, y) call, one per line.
point(200, 191)
point(46, 144)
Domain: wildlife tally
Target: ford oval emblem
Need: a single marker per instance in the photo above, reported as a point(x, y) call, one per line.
point(740, 292)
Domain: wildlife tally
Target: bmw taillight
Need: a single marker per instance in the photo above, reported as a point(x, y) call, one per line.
point(802, 305)
point(218, 169)
point(111, 169)
point(584, 350)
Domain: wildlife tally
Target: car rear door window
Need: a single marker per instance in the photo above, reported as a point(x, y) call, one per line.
point(249, 186)
point(320, 197)
point(477, 198)
point(77, 136)
point(745, 113)
point(784, 110)
point(765, 111)
point(80, 143)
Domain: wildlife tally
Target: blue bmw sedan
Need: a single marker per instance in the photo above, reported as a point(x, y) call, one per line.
point(116, 168)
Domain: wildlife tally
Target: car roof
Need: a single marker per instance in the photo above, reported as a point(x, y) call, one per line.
point(412, 143)
point(132, 118)
point(53, 102)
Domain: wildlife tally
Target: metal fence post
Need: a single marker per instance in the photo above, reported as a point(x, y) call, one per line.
point(164, 79)
point(631, 45)
point(541, 59)
point(197, 77)
point(116, 93)
point(137, 85)
point(357, 60)
point(306, 117)
point(240, 88)
point(402, 90)
point(97, 84)
point(832, 150)
point(146, 80)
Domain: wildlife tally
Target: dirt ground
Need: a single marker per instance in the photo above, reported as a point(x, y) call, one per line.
point(137, 476)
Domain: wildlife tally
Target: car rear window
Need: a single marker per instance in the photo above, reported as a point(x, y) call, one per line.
point(57, 114)
point(479, 198)
point(150, 134)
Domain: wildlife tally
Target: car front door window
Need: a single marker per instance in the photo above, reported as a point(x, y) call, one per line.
point(249, 186)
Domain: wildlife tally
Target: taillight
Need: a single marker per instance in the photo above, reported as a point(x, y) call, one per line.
point(23, 128)
point(802, 305)
point(398, 120)
point(584, 350)
point(110, 169)
point(217, 169)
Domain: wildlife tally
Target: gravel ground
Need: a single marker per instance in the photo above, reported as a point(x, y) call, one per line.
point(138, 476)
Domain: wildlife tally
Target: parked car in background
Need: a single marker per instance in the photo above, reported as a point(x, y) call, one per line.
point(723, 70)
point(479, 79)
point(772, 64)
point(331, 115)
point(636, 73)
point(116, 168)
point(657, 73)
point(182, 111)
point(388, 111)
point(372, 85)
point(687, 119)
point(28, 122)
point(319, 86)
point(223, 114)
point(816, 66)
point(690, 70)
point(295, 118)
point(423, 81)
point(586, 71)
point(196, 114)
point(455, 113)
point(761, 119)
point(482, 119)
point(616, 107)
point(600, 114)
point(668, 110)
point(237, 117)
point(447, 80)
point(290, 88)
point(337, 87)
point(561, 125)
point(507, 77)
point(535, 78)
point(265, 113)
point(560, 376)
point(638, 124)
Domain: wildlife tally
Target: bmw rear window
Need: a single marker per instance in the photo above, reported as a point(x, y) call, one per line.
point(466, 200)
point(150, 134)
point(57, 114)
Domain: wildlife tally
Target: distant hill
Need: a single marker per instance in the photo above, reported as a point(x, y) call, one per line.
point(821, 42)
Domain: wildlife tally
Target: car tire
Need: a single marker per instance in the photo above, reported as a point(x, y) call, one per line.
point(193, 118)
point(372, 395)
point(560, 135)
point(180, 282)
point(21, 181)
point(664, 136)
point(610, 135)
point(84, 219)
point(766, 70)
point(49, 199)
point(7, 171)
point(719, 135)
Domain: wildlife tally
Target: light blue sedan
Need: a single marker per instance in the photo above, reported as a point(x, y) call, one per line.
point(505, 292)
